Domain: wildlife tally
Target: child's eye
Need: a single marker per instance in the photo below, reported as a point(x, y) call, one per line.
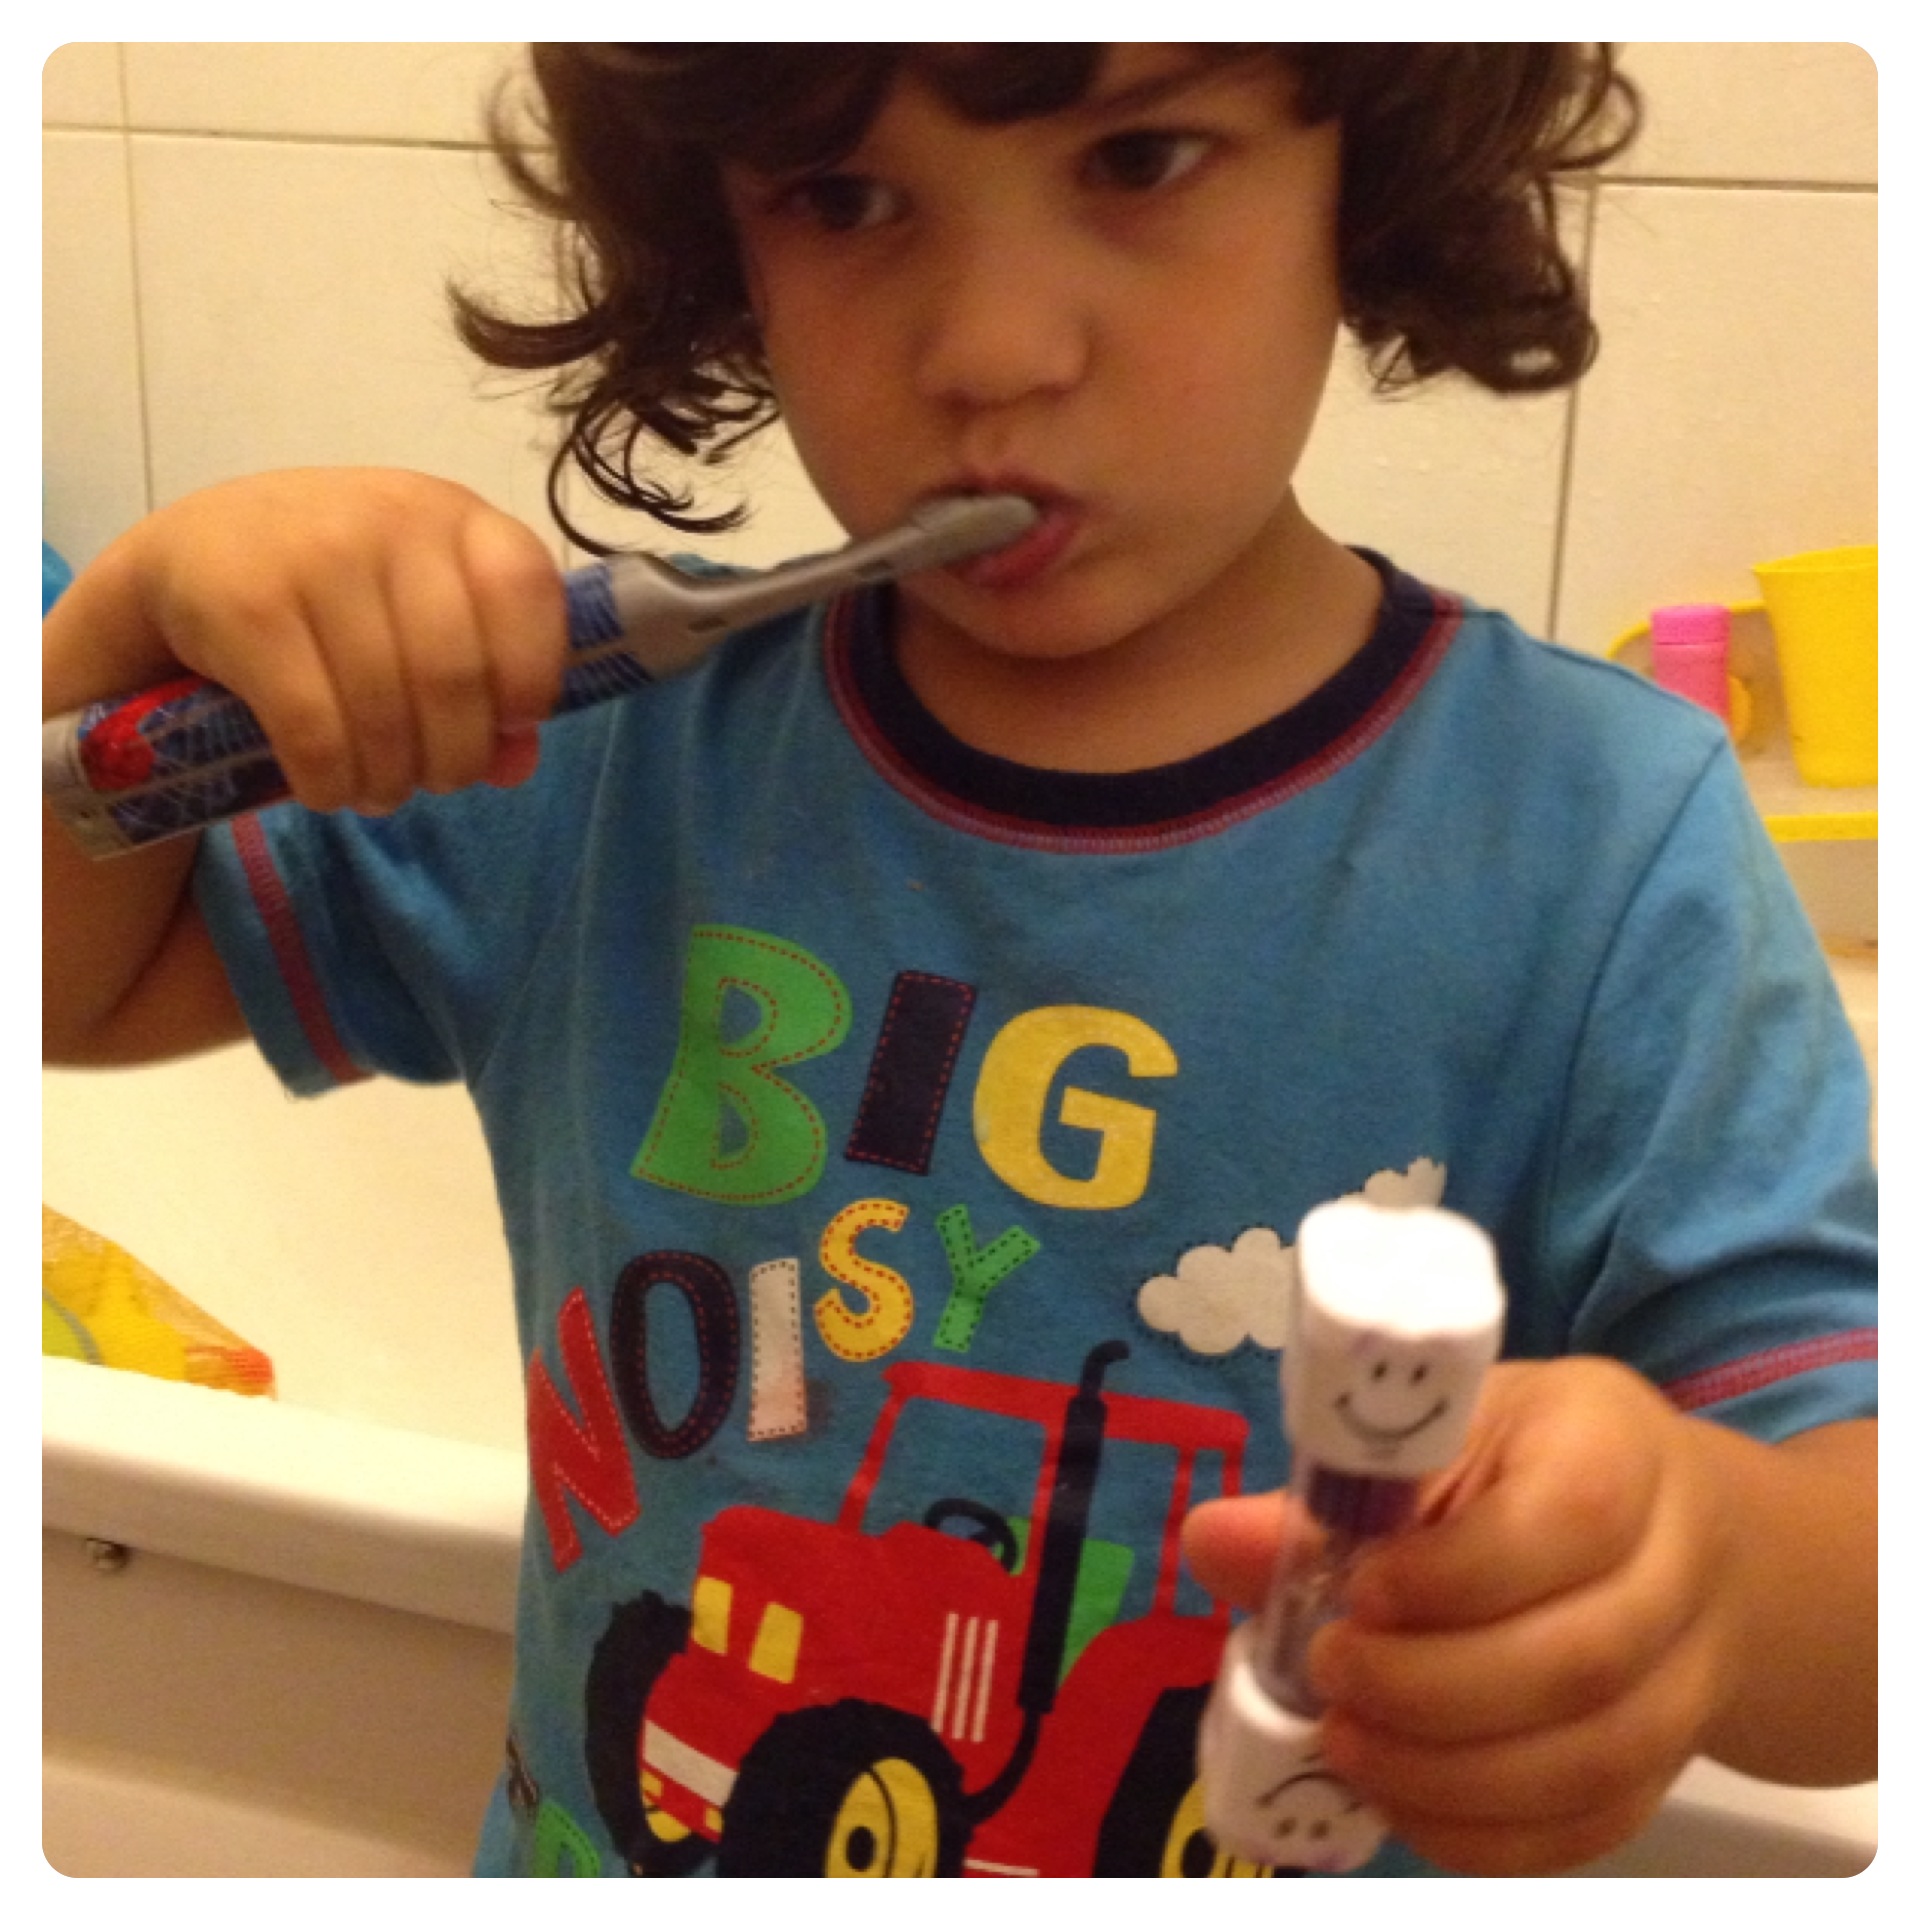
point(840, 202)
point(1150, 157)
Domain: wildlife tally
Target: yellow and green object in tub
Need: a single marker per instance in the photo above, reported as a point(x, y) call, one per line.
point(100, 1305)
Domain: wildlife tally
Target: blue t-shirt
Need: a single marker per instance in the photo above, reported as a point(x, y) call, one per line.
point(901, 1152)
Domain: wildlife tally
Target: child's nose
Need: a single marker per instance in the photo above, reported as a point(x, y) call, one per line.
point(1001, 322)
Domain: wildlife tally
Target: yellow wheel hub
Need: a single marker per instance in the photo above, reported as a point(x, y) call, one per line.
point(1188, 1843)
point(888, 1826)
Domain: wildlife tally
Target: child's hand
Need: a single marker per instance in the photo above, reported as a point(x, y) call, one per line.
point(391, 631)
point(1520, 1679)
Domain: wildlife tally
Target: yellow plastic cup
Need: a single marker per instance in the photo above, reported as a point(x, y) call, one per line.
point(1825, 612)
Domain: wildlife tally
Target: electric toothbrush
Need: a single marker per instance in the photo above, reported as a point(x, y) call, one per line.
point(129, 772)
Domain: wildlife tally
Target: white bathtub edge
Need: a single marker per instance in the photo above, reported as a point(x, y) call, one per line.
point(407, 1520)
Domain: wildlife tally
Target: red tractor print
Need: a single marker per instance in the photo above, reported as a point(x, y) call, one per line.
point(950, 1693)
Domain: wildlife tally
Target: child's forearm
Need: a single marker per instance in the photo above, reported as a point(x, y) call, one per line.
point(129, 973)
point(1804, 1703)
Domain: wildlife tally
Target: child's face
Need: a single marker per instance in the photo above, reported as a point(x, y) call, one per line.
point(1125, 310)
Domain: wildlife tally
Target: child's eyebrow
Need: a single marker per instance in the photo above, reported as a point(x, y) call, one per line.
point(1157, 87)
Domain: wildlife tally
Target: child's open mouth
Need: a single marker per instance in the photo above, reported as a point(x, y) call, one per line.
point(1032, 555)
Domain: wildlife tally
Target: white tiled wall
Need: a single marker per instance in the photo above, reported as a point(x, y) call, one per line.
point(246, 246)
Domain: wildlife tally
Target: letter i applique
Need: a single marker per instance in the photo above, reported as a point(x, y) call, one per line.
point(913, 1062)
point(778, 1410)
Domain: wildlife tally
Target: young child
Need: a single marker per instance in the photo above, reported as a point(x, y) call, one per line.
point(909, 1043)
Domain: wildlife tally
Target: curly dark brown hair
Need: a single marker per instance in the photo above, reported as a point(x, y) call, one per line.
point(1449, 241)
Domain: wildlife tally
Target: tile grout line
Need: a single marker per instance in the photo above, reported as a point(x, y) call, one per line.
point(393, 143)
point(133, 283)
point(1708, 184)
point(1698, 183)
point(1563, 515)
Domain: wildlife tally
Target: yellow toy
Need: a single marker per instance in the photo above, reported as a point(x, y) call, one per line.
point(101, 1305)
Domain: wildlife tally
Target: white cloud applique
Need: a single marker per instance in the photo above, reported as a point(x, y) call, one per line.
point(1217, 1297)
point(1420, 1186)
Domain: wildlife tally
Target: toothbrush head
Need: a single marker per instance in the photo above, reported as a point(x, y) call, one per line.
point(974, 523)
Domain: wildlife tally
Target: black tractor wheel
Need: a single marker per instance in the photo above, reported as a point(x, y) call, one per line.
point(851, 1790)
point(1155, 1827)
point(640, 1639)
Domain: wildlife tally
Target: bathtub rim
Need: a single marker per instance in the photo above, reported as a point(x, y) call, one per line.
point(410, 1520)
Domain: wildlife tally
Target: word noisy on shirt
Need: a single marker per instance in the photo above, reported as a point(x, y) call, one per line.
point(732, 1128)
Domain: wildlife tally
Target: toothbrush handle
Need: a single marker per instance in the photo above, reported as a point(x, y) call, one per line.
point(129, 772)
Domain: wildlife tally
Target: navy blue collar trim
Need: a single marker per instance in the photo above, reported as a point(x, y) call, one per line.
point(1257, 761)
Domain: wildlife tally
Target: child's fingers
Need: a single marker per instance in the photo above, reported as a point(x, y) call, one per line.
point(1230, 1545)
point(449, 679)
point(1564, 1652)
point(353, 621)
point(1524, 1541)
point(1550, 1497)
point(1558, 1492)
point(1511, 1848)
point(1547, 1499)
point(293, 689)
point(487, 660)
point(1546, 1665)
point(515, 756)
point(520, 610)
point(1544, 1799)
point(389, 629)
point(477, 625)
point(1551, 1770)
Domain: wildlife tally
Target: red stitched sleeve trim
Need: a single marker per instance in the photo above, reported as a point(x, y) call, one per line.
point(1755, 1370)
point(276, 913)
